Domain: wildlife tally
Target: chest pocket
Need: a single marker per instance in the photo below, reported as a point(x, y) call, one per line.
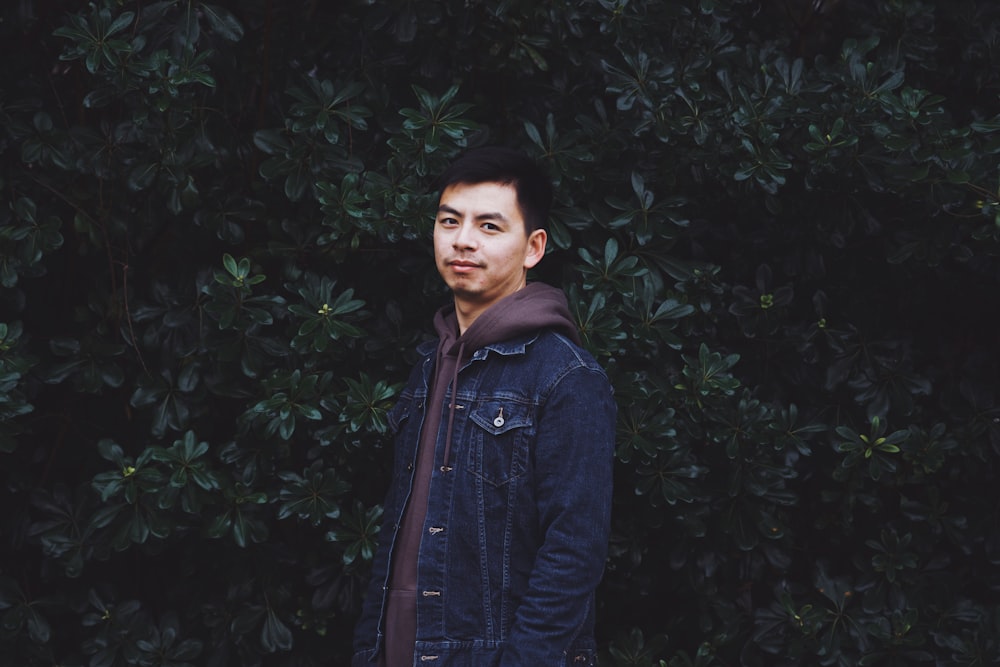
point(499, 445)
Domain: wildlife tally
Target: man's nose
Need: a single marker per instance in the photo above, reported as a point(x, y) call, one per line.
point(464, 236)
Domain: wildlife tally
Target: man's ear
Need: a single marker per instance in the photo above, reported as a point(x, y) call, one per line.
point(536, 248)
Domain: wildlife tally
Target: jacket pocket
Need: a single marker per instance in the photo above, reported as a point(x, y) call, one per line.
point(399, 413)
point(499, 444)
point(403, 419)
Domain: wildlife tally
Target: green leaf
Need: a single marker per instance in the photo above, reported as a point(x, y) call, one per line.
point(223, 22)
point(123, 21)
point(275, 635)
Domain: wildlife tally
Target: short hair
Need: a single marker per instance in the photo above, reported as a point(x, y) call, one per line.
point(495, 164)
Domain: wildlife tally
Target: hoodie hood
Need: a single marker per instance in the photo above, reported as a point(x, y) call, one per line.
point(533, 308)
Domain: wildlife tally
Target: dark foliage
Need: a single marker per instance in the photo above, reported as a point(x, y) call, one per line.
point(778, 223)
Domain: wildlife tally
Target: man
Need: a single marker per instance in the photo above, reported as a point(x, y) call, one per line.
point(496, 523)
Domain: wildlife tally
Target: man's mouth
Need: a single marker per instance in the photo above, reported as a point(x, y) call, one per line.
point(462, 266)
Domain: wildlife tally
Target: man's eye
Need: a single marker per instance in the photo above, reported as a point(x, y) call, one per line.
point(489, 226)
point(447, 221)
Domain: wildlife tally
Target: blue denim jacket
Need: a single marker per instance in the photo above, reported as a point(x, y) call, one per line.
point(516, 534)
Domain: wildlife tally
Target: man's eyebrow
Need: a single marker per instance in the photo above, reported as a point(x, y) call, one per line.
point(444, 208)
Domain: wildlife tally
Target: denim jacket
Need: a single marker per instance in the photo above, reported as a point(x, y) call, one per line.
point(516, 533)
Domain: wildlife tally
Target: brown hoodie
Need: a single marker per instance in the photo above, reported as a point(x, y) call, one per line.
point(534, 308)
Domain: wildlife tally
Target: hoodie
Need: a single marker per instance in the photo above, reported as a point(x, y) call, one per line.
point(536, 307)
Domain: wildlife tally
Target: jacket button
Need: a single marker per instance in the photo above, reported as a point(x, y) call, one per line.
point(409, 466)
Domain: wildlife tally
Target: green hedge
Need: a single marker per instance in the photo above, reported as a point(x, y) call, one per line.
point(778, 224)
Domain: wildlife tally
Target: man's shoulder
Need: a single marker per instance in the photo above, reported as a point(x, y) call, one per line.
point(554, 341)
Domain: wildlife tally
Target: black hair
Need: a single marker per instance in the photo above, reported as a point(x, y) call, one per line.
point(494, 164)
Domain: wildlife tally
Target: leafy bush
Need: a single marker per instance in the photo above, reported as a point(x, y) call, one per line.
point(778, 224)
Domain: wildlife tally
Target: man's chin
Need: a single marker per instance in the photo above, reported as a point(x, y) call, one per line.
point(468, 294)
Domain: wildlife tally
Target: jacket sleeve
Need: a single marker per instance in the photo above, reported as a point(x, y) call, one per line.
point(573, 457)
point(366, 630)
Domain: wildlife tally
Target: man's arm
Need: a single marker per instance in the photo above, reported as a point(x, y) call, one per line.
point(574, 456)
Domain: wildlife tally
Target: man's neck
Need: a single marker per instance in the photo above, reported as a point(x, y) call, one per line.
point(466, 314)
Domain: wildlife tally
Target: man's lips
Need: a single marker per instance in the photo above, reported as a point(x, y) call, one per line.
point(462, 266)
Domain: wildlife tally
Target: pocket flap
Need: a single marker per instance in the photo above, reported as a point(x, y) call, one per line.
point(498, 416)
point(399, 413)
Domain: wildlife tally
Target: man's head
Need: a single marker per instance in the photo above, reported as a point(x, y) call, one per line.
point(483, 242)
point(494, 164)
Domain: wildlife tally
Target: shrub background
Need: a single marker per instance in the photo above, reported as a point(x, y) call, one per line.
point(778, 225)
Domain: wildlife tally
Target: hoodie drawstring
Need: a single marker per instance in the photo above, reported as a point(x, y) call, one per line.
point(451, 411)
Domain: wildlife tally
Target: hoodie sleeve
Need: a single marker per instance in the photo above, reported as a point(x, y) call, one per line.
point(574, 455)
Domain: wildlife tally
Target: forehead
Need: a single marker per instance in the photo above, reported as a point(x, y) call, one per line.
point(481, 198)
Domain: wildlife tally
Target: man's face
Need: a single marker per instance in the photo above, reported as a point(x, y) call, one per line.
point(480, 245)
